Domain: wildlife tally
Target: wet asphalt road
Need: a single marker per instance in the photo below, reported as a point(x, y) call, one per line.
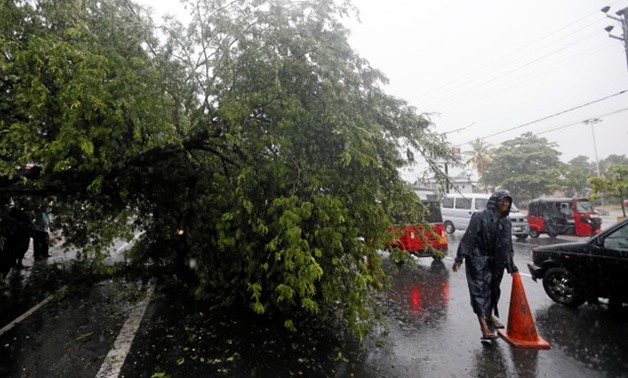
point(431, 332)
point(434, 333)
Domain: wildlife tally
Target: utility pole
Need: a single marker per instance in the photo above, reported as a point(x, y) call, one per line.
point(623, 21)
point(593, 122)
point(446, 178)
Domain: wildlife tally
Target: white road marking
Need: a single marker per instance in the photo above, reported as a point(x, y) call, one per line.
point(112, 365)
point(127, 244)
point(32, 310)
point(28, 313)
point(115, 358)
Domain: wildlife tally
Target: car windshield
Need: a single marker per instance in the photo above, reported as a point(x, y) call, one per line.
point(480, 203)
point(584, 206)
point(434, 214)
point(618, 239)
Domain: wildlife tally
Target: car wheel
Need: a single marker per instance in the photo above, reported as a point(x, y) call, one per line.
point(533, 233)
point(439, 255)
point(563, 287)
point(449, 228)
point(552, 234)
point(398, 256)
point(522, 237)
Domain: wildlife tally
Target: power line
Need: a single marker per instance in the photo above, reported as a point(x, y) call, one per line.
point(581, 122)
point(456, 81)
point(471, 88)
point(459, 129)
point(462, 87)
point(551, 116)
point(525, 78)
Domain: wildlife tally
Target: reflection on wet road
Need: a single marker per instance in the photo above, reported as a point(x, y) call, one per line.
point(419, 296)
point(432, 331)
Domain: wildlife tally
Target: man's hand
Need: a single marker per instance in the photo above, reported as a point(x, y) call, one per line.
point(511, 267)
point(456, 266)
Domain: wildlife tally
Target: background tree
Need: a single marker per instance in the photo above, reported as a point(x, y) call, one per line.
point(480, 157)
point(575, 179)
point(615, 186)
point(582, 162)
point(528, 166)
point(256, 128)
point(610, 161)
point(82, 99)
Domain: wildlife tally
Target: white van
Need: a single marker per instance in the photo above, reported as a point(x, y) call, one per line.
point(457, 209)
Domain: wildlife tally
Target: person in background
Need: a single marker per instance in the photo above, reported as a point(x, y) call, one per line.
point(20, 239)
point(487, 249)
point(41, 237)
point(566, 210)
point(15, 236)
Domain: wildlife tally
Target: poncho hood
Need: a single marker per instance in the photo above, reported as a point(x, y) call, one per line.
point(498, 195)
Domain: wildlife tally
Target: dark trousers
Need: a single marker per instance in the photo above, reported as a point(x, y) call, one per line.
point(40, 244)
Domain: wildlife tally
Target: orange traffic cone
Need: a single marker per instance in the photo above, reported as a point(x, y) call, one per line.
point(521, 331)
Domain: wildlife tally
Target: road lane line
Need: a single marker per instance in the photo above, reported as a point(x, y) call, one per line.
point(112, 365)
point(33, 309)
point(28, 313)
point(135, 237)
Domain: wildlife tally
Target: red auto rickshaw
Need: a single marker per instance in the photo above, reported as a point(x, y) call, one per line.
point(420, 240)
point(563, 216)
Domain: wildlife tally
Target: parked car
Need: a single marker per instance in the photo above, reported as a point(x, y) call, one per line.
point(576, 272)
point(457, 210)
point(419, 240)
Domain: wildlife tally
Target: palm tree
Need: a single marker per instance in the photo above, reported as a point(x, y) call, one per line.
point(479, 157)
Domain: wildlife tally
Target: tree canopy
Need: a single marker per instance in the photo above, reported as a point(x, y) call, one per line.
point(479, 157)
point(256, 128)
point(613, 185)
point(528, 166)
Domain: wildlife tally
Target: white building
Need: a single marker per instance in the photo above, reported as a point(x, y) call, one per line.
point(461, 184)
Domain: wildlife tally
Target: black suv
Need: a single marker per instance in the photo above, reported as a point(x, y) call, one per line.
point(574, 273)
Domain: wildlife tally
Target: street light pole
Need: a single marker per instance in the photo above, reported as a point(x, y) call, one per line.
point(623, 21)
point(593, 122)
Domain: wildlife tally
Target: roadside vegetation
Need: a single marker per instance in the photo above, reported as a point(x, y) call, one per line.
point(253, 150)
point(529, 166)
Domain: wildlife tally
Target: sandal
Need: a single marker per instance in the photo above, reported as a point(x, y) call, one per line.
point(487, 333)
point(490, 336)
point(497, 323)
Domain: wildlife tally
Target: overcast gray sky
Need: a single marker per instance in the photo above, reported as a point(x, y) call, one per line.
point(493, 67)
point(497, 65)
